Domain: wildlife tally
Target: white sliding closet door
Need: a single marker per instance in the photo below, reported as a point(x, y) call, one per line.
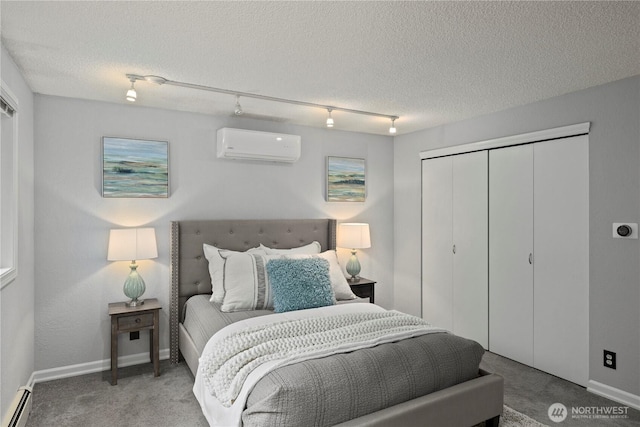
point(561, 266)
point(470, 238)
point(532, 284)
point(511, 252)
point(454, 244)
point(437, 229)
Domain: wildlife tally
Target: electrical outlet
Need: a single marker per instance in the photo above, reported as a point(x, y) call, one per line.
point(609, 359)
point(135, 335)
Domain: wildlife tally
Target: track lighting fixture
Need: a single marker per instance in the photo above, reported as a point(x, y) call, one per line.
point(238, 111)
point(392, 129)
point(131, 93)
point(131, 96)
point(329, 119)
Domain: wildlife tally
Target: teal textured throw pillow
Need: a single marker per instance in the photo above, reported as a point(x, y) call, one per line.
point(300, 283)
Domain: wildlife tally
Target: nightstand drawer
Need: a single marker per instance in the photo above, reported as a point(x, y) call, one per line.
point(135, 322)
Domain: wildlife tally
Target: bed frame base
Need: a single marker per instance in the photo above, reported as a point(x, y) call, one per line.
point(188, 350)
point(462, 405)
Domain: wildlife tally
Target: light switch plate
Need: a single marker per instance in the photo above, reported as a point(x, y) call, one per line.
point(632, 225)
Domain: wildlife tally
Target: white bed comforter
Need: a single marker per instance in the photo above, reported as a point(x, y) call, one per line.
point(236, 357)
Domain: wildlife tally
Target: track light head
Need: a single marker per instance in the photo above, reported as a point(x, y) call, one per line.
point(392, 129)
point(329, 119)
point(131, 93)
point(238, 111)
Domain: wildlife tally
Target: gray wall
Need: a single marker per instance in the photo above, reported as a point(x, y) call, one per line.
point(614, 161)
point(16, 299)
point(74, 280)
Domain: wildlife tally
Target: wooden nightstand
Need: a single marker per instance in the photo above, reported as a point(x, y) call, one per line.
point(364, 288)
point(132, 319)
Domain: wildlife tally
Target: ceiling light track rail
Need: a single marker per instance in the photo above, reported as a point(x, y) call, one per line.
point(162, 81)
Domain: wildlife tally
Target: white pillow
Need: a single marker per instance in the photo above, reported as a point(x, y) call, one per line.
point(312, 248)
point(339, 283)
point(216, 269)
point(246, 282)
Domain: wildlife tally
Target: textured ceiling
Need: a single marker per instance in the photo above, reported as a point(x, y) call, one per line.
point(428, 62)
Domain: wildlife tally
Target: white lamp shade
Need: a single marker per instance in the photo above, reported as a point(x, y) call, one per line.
point(354, 235)
point(131, 244)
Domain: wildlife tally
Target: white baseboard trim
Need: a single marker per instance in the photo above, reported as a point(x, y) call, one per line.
point(614, 394)
point(31, 381)
point(91, 367)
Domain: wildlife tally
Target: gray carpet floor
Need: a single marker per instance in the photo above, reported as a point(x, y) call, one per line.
point(531, 392)
point(140, 399)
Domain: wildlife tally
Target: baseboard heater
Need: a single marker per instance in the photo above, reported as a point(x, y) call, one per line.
point(19, 409)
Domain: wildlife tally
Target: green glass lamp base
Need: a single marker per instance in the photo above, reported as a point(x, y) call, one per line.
point(353, 266)
point(134, 286)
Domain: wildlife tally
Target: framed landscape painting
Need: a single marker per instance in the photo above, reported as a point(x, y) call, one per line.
point(346, 179)
point(135, 168)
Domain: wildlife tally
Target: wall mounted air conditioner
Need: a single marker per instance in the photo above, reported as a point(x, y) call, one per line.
point(254, 145)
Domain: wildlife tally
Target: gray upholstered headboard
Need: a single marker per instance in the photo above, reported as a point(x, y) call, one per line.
point(189, 268)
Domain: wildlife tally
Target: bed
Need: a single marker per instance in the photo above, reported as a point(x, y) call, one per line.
point(474, 397)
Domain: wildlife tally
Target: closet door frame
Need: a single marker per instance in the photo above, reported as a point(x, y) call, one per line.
point(507, 141)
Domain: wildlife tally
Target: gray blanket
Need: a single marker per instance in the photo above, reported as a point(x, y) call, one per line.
point(324, 392)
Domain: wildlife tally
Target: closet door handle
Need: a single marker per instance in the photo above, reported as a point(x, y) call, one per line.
point(530, 258)
point(454, 249)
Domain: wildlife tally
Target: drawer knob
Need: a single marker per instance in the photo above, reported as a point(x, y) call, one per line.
point(138, 320)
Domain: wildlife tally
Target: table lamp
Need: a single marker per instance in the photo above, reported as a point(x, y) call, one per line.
point(132, 244)
point(354, 235)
